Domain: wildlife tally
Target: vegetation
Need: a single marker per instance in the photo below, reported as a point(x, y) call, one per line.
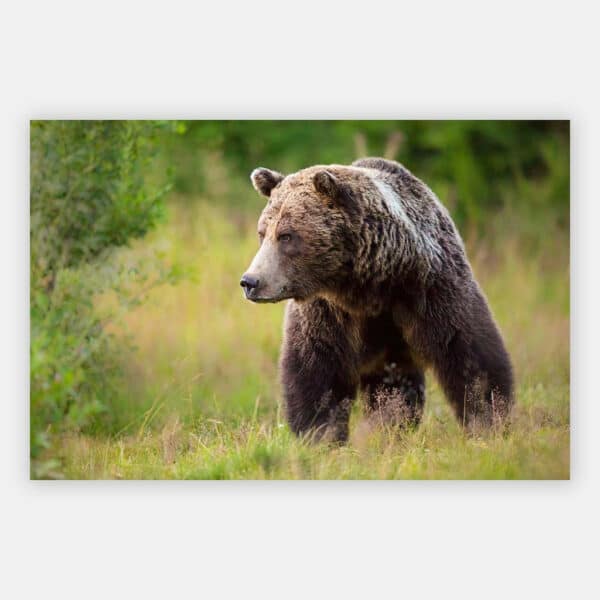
point(89, 195)
point(135, 379)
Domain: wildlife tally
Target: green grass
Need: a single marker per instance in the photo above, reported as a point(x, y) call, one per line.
point(536, 447)
point(200, 397)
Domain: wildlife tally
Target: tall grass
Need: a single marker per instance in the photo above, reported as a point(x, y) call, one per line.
point(201, 397)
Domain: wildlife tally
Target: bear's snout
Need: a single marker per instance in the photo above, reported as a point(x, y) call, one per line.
point(249, 283)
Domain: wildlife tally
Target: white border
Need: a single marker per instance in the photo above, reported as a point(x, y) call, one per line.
point(312, 60)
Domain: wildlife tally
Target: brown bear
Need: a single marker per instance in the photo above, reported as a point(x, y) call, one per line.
point(380, 288)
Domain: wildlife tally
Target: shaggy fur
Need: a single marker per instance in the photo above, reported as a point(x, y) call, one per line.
point(380, 289)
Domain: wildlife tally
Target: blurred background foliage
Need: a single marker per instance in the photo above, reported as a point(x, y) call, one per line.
point(475, 166)
point(97, 186)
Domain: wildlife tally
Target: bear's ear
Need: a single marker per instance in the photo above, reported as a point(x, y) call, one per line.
point(329, 185)
point(326, 183)
point(264, 180)
point(336, 191)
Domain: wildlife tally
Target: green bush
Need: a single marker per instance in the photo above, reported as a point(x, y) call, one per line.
point(88, 188)
point(90, 193)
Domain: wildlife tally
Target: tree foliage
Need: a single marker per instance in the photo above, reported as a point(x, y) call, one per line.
point(88, 188)
point(470, 164)
point(90, 193)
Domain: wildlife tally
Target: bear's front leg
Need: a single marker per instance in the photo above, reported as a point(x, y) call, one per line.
point(319, 372)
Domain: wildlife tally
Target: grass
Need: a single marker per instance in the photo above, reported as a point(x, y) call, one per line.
point(200, 398)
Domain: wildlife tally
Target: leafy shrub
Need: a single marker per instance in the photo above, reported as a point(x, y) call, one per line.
point(88, 188)
point(90, 193)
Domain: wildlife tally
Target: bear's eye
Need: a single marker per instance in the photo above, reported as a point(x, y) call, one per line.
point(285, 238)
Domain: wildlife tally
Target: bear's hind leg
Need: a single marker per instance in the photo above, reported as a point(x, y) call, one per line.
point(396, 395)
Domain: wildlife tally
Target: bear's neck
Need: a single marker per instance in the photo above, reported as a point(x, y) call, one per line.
point(387, 269)
point(374, 297)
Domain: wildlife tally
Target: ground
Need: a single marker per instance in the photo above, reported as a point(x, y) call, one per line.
point(201, 394)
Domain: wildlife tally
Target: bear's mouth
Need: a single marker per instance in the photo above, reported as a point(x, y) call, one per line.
point(284, 294)
point(266, 300)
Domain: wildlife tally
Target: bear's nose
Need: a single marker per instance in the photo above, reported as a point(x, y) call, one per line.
point(248, 282)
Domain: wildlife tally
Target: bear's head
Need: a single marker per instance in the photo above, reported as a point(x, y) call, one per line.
point(307, 234)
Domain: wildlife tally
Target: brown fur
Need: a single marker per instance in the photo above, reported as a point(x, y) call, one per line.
point(380, 288)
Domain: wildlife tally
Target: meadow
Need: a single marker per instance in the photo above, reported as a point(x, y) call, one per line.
point(147, 363)
point(201, 395)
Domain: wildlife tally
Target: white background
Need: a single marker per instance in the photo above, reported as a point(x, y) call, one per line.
point(311, 60)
